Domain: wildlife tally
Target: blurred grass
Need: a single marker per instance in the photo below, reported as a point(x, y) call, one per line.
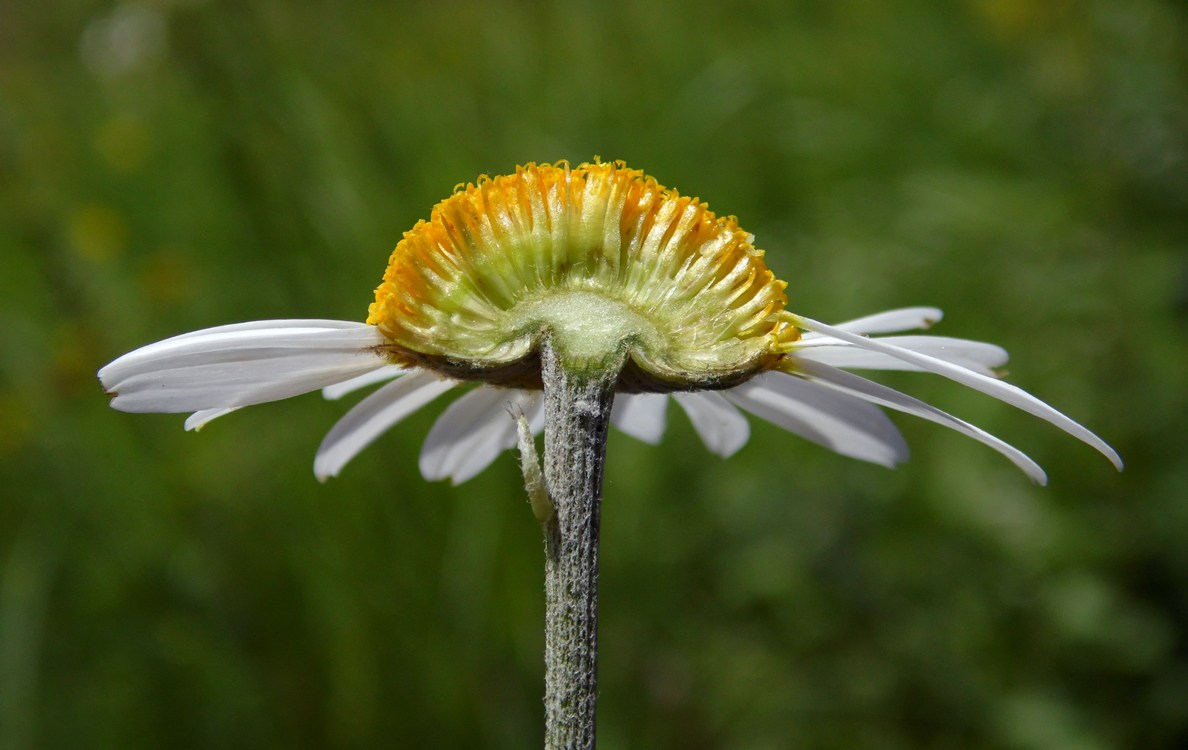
point(166, 166)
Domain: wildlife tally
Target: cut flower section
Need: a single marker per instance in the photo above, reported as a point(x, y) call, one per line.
point(603, 259)
point(615, 271)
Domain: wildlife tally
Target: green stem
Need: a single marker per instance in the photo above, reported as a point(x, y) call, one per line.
point(577, 415)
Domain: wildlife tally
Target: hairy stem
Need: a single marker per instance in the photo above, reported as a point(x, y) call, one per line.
point(577, 414)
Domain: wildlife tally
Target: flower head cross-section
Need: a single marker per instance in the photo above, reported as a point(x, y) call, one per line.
point(615, 271)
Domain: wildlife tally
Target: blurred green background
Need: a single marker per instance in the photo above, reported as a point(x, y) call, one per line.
point(167, 166)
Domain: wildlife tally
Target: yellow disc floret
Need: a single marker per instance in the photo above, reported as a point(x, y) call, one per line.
point(600, 258)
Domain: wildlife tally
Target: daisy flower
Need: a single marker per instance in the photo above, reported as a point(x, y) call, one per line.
point(615, 271)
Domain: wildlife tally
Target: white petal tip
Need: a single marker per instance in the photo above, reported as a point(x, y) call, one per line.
point(724, 452)
point(929, 316)
point(1101, 446)
point(436, 476)
point(1033, 471)
point(324, 470)
point(1115, 459)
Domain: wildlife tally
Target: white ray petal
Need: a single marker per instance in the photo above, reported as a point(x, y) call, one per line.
point(641, 415)
point(894, 321)
point(721, 427)
point(257, 325)
point(277, 333)
point(972, 355)
point(876, 393)
point(1011, 394)
point(465, 463)
point(472, 432)
point(373, 415)
point(456, 422)
point(473, 463)
point(839, 422)
point(383, 374)
point(206, 370)
point(200, 419)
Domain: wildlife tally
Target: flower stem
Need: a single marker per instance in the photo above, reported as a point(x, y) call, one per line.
point(577, 414)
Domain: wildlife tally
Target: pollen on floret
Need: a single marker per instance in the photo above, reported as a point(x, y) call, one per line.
point(603, 260)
